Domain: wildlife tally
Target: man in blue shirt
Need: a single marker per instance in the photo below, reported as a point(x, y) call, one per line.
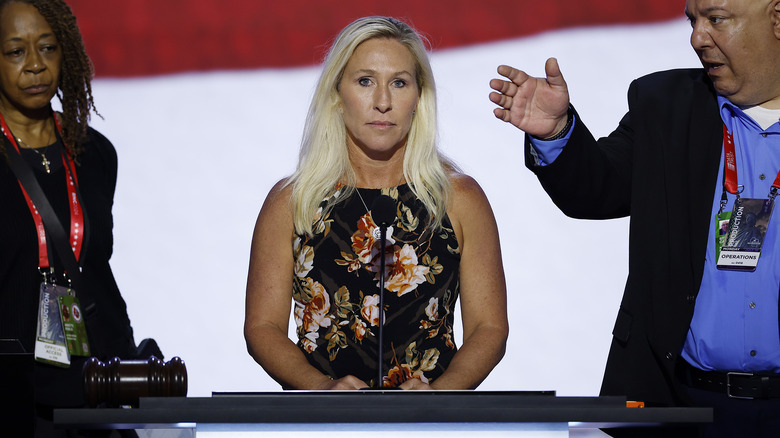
point(697, 326)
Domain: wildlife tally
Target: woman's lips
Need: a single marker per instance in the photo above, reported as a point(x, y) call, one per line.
point(381, 125)
point(37, 89)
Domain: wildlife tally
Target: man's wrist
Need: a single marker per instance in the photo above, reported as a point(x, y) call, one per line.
point(562, 133)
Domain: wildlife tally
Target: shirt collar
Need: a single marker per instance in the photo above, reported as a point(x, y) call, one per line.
point(731, 114)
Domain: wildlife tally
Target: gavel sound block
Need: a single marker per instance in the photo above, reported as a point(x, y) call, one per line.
point(122, 382)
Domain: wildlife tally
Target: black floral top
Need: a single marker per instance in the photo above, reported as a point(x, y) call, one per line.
point(337, 299)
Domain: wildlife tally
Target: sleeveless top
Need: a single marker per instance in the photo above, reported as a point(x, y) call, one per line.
point(336, 282)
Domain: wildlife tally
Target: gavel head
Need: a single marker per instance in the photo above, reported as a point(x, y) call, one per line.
point(123, 382)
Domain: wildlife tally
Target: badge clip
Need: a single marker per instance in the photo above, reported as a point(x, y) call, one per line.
point(47, 274)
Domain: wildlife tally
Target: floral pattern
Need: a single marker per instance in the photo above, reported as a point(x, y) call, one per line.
point(337, 302)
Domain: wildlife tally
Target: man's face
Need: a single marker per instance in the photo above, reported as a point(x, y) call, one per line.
point(738, 43)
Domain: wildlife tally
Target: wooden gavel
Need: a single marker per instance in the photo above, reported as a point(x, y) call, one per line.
point(123, 382)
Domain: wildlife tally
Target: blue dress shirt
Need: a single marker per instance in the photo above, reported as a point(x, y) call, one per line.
point(735, 321)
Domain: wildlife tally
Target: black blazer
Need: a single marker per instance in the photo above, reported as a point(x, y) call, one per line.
point(660, 167)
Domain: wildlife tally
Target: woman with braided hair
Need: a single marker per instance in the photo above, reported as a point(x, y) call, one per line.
point(55, 173)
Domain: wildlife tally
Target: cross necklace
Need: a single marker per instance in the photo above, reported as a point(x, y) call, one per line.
point(44, 161)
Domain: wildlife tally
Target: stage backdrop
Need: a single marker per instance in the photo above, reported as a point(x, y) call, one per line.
point(205, 101)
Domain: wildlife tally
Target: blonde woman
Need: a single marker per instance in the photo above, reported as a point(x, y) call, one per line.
point(371, 131)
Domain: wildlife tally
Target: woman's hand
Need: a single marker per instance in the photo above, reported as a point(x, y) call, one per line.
point(346, 383)
point(415, 384)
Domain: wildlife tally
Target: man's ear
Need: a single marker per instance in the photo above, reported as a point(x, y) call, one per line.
point(775, 13)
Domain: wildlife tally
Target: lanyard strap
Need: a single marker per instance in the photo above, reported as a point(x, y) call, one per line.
point(729, 162)
point(76, 239)
point(730, 182)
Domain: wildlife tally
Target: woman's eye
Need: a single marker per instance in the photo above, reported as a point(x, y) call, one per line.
point(364, 82)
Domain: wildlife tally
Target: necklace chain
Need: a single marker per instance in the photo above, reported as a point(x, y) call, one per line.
point(361, 196)
point(361, 199)
point(44, 161)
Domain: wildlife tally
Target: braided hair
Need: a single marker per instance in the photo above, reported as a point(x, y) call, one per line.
point(74, 88)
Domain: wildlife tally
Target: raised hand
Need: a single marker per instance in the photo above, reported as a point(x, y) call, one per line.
point(538, 106)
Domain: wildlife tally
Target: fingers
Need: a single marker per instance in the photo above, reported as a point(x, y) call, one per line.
point(503, 87)
point(414, 384)
point(346, 383)
point(352, 382)
point(505, 103)
point(502, 100)
point(502, 114)
point(518, 77)
point(506, 90)
point(513, 74)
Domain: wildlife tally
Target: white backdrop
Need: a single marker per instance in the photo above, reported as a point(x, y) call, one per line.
point(199, 152)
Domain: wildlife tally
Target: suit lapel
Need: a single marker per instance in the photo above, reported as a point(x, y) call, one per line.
point(706, 141)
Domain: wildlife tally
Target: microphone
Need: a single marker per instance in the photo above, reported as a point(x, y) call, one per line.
point(383, 211)
point(383, 214)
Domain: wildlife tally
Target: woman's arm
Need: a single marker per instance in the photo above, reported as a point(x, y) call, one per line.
point(269, 297)
point(482, 290)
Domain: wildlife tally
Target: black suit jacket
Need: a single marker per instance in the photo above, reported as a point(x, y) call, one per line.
point(660, 168)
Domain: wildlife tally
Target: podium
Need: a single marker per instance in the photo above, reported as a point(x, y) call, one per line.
point(384, 413)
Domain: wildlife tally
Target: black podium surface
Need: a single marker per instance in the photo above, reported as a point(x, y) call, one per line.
point(302, 407)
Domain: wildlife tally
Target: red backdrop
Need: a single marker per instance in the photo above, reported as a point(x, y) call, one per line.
point(146, 37)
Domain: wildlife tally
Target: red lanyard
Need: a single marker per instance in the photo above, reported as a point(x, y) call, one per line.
point(76, 213)
point(730, 166)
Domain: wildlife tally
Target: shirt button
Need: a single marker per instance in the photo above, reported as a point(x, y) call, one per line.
point(690, 298)
point(670, 356)
point(763, 134)
point(752, 305)
point(762, 177)
point(753, 353)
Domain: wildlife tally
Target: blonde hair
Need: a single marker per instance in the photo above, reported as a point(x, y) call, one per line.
point(323, 161)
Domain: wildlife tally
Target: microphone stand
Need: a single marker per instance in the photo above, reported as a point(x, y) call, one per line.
point(383, 213)
point(383, 241)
